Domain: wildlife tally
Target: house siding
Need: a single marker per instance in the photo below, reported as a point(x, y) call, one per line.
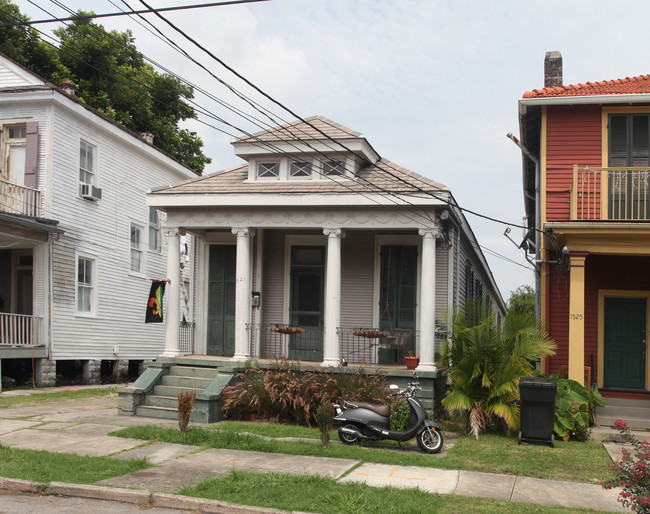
point(574, 136)
point(357, 279)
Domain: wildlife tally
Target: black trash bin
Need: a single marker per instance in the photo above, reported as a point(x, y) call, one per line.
point(537, 410)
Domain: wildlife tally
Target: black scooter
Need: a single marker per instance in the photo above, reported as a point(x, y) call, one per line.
point(370, 421)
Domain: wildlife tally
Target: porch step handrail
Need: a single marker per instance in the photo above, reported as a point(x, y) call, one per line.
point(20, 329)
point(19, 199)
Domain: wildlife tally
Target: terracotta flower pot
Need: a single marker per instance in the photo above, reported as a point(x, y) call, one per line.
point(411, 362)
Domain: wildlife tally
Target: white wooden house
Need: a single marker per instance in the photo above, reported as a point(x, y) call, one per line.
point(313, 243)
point(78, 244)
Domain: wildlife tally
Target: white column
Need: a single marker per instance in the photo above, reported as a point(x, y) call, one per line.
point(428, 300)
point(331, 350)
point(173, 290)
point(243, 293)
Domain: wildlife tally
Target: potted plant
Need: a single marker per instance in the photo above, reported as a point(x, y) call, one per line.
point(411, 360)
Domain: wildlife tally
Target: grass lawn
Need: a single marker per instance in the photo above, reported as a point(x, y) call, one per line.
point(318, 494)
point(71, 394)
point(45, 467)
point(574, 461)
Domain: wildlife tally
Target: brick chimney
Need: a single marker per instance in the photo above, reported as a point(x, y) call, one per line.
point(553, 69)
point(68, 87)
point(148, 137)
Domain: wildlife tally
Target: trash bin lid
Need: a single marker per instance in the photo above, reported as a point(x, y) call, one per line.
point(538, 382)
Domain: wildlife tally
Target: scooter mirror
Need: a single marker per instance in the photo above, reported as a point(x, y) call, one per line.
point(393, 387)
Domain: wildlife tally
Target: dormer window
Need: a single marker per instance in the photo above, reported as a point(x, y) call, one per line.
point(334, 168)
point(268, 170)
point(300, 170)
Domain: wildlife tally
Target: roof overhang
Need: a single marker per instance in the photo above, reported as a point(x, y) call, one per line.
point(616, 238)
point(525, 103)
point(306, 200)
point(26, 227)
point(358, 146)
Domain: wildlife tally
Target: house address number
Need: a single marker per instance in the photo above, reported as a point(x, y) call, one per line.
point(576, 317)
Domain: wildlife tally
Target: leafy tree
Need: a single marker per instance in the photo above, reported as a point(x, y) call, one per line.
point(522, 299)
point(486, 362)
point(111, 76)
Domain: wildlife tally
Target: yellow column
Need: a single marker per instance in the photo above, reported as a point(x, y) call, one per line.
point(577, 317)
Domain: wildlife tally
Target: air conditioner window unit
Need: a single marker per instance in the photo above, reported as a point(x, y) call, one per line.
point(90, 192)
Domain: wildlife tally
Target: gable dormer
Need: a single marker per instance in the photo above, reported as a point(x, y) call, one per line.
point(311, 150)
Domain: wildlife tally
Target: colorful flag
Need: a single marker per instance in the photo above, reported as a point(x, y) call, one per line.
point(155, 303)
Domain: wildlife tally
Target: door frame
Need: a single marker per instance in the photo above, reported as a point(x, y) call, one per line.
point(201, 327)
point(397, 240)
point(619, 293)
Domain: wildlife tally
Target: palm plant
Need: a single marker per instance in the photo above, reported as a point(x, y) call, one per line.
point(486, 362)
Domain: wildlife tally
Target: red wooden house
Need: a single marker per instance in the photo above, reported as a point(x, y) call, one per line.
point(586, 173)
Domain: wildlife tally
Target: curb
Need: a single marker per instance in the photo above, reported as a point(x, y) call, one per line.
point(133, 496)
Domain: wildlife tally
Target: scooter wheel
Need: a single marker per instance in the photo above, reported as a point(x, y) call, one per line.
point(348, 438)
point(430, 440)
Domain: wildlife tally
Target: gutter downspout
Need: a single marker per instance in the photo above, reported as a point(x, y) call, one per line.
point(538, 224)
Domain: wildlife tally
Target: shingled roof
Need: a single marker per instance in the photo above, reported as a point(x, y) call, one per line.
point(382, 177)
point(626, 86)
point(313, 128)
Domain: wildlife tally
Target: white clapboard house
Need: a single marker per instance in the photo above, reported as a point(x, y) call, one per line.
point(315, 249)
point(78, 244)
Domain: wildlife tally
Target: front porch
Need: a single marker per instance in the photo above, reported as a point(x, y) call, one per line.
point(155, 392)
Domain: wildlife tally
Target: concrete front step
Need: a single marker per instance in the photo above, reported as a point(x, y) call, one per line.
point(186, 382)
point(170, 402)
point(164, 390)
point(193, 371)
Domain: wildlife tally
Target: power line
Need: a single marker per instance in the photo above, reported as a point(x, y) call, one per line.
point(144, 11)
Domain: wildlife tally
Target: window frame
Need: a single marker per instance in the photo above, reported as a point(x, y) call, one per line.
point(83, 171)
point(155, 229)
point(328, 168)
point(268, 163)
point(9, 143)
point(90, 287)
point(303, 164)
point(139, 249)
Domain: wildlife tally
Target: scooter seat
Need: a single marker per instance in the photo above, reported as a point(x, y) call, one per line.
point(382, 410)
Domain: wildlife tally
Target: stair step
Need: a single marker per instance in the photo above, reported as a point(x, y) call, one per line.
point(193, 371)
point(186, 382)
point(174, 391)
point(149, 411)
point(153, 400)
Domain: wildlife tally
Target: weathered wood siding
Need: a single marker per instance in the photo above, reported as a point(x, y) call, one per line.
point(101, 231)
point(573, 136)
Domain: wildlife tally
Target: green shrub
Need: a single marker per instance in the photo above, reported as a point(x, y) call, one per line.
point(399, 415)
point(325, 419)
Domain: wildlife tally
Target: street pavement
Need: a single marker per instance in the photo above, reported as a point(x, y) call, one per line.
point(81, 427)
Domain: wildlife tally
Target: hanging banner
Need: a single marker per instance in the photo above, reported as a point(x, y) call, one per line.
point(155, 303)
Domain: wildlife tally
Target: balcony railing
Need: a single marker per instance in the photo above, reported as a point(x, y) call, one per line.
point(20, 330)
point(17, 199)
point(610, 194)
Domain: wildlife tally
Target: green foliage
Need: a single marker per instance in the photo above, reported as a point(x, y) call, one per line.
point(111, 76)
point(522, 299)
point(287, 392)
point(399, 415)
point(486, 362)
point(325, 419)
point(574, 408)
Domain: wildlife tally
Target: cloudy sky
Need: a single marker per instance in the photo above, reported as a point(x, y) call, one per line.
point(432, 84)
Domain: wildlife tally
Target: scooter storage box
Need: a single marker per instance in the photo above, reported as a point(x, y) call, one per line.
point(537, 409)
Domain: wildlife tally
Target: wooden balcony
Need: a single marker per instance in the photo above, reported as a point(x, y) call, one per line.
point(19, 330)
point(610, 194)
point(17, 199)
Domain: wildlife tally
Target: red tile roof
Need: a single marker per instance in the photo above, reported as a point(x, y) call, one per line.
point(626, 86)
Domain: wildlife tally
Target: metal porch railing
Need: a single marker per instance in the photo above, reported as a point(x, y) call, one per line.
point(610, 194)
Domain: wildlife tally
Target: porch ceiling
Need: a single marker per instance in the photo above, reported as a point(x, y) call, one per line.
point(15, 228)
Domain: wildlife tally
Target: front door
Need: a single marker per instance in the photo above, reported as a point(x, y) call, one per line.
point(398, 297)
point(221, 300)
point(625, 343)
point(306, 303)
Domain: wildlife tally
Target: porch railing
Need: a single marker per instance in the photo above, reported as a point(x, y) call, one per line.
point(186, 337)
point(277, 340)
point(610, 194)
point(17, 199)
point(20, 330)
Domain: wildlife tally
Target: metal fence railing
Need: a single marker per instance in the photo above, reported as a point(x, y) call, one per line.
point(186, 337)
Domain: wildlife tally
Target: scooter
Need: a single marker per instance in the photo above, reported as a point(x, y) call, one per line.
point(369, 421)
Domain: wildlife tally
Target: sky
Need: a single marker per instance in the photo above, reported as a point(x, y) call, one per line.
point(432, 84)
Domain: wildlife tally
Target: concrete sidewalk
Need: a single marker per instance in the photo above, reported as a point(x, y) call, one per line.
point(81, 427)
